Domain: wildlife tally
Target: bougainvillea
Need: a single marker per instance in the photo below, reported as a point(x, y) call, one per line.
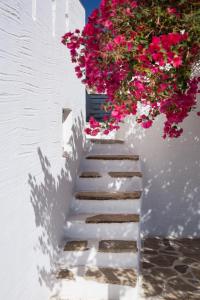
point(141, 54)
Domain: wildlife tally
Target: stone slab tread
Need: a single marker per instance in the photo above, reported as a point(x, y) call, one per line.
point(113, 218)
point(113, 157)
point(125, 174)
point(117, 246)
point(90, 175)
point(119, 276)
point(108, 196)
point(76, 246)
point(106, 141)
point(103, 246)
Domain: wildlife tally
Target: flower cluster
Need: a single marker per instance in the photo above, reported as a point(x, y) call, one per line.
point(139, 52)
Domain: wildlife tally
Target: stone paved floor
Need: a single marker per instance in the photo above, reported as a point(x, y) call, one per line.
point(170, 269)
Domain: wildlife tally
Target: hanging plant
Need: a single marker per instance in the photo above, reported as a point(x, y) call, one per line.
point(141, 54)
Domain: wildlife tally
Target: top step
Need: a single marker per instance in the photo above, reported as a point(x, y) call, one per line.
point(106, 141)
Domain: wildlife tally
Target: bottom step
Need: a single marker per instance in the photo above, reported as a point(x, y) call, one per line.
point(87, 290)
point(120, 276)
point(95, 283)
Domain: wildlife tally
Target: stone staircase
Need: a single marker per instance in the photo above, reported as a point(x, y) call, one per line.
point(100, 258)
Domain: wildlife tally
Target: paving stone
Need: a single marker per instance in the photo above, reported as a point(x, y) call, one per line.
point(180, 285)
point(189, 261)
point(163, 273)
point(163, 260)
point(126, 277)
point(152, 286)
point(149, 251)
point(115, 246)
point(147, 265)
point(76, 246)
point(152, 243)
point(108, 196)
point(175, 270)
point(181, 268)
point(170, 248)
point(113, 218)
point(196, 273)
point(195, 256)
point(113, 157)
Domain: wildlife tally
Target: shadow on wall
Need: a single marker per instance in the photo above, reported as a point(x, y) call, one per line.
point(50, 199)
point(171, 178)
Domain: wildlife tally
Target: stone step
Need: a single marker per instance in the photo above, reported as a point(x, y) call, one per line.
point(103, 206)
point(111, 246)
point(109, 184)
point(113, 157)
point(108, 195)
point(119, 276)
point(111, 174)
point(109, 149)
point(76, 246)
point(99, 253)
point(90, 175)
point(102, 227)
point(105, 166)
point(113, 218)
point(125, 174)
point(92, 283)
point(114, 246)
point(106, 141)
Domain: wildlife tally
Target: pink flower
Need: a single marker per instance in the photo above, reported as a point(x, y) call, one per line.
point(134, 4)
point(139, 85)
point(147, 124)
point(171, 10)
point(87, 130)
point(163, 86)
point(134, 109)
point(174, 38)
point(110, 47)
point(108, 24)
point(105, 118)
point(130, 46)
point(198, 113)
point(177, 62)
point(93, 123)
point(106, 131)
point(156, 40)
point(94, 15)
point(89, 29)
point(95, 132)
point(115, 113)
point(154, 70)
point(119, 39)
point(158, 57)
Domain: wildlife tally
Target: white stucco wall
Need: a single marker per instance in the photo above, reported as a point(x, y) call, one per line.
point(171, 177)
point(37, 80)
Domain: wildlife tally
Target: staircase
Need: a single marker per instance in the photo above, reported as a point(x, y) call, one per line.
point(100, 259)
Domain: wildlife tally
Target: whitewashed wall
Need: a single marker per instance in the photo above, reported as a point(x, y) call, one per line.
point(171, 170)
point(37, 80)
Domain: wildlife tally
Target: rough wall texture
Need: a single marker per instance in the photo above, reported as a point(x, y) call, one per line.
point(171, 169)
point(36, 81)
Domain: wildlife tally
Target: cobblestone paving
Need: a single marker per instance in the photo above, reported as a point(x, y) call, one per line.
point(170, 269)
